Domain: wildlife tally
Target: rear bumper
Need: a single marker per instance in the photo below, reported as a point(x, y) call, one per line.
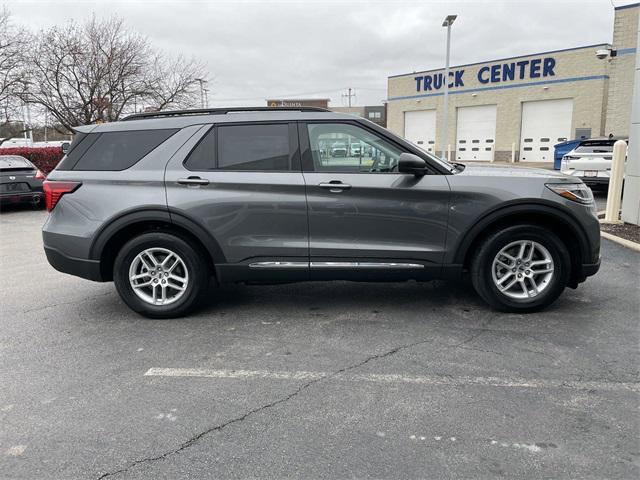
point(22, 197)
point(595, 180)
point(80, 267)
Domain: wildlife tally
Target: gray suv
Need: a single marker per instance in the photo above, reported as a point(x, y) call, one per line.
point(163, 203)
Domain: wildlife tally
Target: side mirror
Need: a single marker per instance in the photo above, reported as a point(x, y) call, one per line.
point(65, 147)
point(413, 164)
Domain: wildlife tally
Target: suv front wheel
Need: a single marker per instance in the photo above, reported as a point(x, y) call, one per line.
point(523, 268)
point(160, 275)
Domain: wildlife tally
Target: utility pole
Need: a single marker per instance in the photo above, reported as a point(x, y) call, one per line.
point(349, 95)
point(445, 108)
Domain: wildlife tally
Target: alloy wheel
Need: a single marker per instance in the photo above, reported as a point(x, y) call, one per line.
point(158, 276)
point(522, 270)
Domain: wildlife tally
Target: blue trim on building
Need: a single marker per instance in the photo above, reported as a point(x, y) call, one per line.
point(500, 87)
point(631, 5)
point(625, 51)
point(501, 59)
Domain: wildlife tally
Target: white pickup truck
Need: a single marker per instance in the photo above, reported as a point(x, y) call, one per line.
point(590, 161)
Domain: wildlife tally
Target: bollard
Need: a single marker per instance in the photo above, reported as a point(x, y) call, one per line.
point(448, 152)
point(513, 152)
point(614, 195)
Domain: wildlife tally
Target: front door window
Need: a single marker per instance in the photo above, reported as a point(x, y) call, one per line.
point(346, 148)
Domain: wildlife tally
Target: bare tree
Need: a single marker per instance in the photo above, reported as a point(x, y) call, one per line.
point(175, 82)
point(12, 46)
point(99, 70)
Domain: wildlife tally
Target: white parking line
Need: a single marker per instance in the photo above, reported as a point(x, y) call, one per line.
point(394, 378)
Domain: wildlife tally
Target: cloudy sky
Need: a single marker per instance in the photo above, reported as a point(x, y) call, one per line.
point(317, 49)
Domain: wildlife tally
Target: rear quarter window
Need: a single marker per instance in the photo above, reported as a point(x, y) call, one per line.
point(114, 151)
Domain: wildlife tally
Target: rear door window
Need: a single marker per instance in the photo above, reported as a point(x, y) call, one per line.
point(264, 147)
point(203, 156)
point(121, 150)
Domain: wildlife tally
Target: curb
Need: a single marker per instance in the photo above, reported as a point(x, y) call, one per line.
point(621, 241)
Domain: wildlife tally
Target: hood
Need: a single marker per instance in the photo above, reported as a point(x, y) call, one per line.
point(512, 171)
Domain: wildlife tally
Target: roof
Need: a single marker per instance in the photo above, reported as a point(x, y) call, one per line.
point(185, 118)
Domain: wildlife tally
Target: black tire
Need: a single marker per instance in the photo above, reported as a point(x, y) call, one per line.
point(481, 265)
point(197, 268)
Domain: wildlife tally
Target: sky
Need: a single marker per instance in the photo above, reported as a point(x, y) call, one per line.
point(254, 50)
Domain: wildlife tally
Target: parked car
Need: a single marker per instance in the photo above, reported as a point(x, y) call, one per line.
point(339, 150)
point(356, 149)
point(590, 161)
point(20, 181)
point(162, 202)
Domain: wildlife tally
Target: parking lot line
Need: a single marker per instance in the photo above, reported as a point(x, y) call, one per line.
point(394, 378)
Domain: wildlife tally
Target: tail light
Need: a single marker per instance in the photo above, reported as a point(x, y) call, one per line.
point(54, 190)
point(39, 175)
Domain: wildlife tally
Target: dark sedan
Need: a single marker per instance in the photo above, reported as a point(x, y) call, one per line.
point(20, 181)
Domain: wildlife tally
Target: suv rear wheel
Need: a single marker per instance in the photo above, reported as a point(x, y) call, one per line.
point(523, 268)
point(160, 275)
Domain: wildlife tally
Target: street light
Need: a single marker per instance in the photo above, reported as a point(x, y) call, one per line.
point(202, 82)
point(447, 23)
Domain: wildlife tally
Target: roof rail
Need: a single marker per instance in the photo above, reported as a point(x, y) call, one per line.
point(218, 111)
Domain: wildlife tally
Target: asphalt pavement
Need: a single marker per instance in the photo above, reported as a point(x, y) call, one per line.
point(314, 380)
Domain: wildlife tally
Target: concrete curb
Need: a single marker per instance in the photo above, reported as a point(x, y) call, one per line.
point(621, 241)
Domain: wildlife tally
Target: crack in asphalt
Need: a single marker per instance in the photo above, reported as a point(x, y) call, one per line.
point(194, 439)
point(53, 305)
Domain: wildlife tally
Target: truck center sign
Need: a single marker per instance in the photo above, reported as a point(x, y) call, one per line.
point(489, 74)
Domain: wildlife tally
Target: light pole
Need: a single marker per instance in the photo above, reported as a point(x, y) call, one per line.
point(202, 82)
point(445, 109)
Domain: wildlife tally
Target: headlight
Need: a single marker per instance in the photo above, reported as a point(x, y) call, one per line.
point(577, 192)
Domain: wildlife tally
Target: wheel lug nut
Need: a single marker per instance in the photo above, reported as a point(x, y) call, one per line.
point(513, 270)
point(528, 272)
point(164, 281)
point(519, 275)
point(155, 280)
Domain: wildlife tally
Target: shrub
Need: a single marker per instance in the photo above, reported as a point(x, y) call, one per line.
point(45, 158)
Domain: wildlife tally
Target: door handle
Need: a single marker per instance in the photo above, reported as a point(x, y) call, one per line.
point(335, 186)
point(193, 181)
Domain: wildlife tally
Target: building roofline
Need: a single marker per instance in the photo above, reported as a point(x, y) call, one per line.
point(631, 5)
point(502, 59)
point(297, 99)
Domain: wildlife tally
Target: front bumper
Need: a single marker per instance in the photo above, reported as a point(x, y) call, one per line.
point(80, 267)
point(589, 269)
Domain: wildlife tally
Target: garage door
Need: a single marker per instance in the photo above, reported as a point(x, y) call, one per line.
point(476, 133)
point(420, 128)
point(544, 124)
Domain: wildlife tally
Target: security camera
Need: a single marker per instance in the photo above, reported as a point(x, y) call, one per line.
point(602, 53)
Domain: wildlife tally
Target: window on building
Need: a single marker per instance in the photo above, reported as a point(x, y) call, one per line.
point(375, 115)
point(254, 147)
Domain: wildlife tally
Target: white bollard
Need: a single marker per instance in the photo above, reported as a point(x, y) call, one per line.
point(448, 152)
point(614, 195)
point(513, 152)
